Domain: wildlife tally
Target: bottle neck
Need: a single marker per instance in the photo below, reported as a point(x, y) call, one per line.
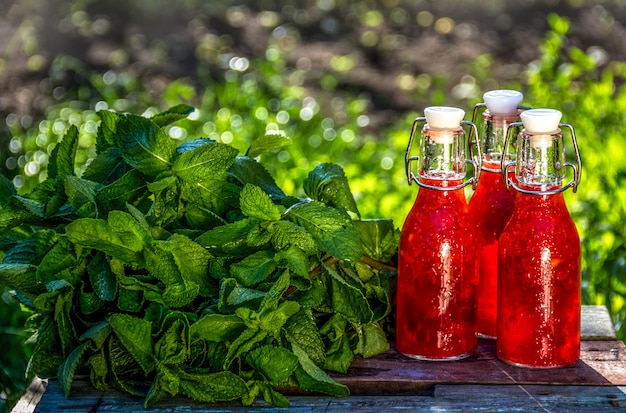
point(442, 154)
point(540, 162)
point(493, 134)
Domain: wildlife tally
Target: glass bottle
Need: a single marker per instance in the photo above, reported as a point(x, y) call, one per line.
point(539, 263)
point(491, 204)
point(436, 303)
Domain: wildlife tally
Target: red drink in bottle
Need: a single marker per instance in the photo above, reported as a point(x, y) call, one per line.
point(539, 253)
point(491, 204)
point(435, 298)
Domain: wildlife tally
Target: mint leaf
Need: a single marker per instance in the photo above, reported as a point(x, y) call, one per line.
point(173, 114)
point(217, 327)
point(192, 261)
point(21, 277)
point(126, 189)
point(144, 145)
point(378, 238)
point(256, 203)
point(68, 368)
point(302, 330)
point(285, 234)
point(254, 269)
point(62, 157)
point(348, 300)
point(332, 230)
point(327, 183)
point(102, 279)
point(108, 126)
point(276, 364)
point(173, 346)
point(204, 163)
point(267, 143)
point(81, 194)
point(107, 167)
point(98, 334)
point(212, 387)
point(135, 335)
point(311, 377)
point(372, 340)
point(248, 171)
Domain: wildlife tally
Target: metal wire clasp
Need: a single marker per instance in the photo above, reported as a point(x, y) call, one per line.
point(506, 166)
point(475, 159)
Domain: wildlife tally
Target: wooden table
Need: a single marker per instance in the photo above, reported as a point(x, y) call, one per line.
point(481, 383)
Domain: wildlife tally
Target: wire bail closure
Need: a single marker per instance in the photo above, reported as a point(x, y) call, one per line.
point(577, 168)
point(475, 161)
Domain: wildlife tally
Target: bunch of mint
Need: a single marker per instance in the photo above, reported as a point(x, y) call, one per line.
point(168, 269)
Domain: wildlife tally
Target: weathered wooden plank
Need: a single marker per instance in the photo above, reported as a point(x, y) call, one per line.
point(449, 398)
point(596, 323)
point(602, 363)
point(31, 398)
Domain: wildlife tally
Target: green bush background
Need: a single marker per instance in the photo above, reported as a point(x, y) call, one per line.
point(250, 97)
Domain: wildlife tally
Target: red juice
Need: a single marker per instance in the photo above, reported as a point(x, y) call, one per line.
point(539, 284)
point(490, 207)
point(436, 305)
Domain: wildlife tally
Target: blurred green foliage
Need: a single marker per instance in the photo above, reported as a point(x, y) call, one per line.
point(249, 97)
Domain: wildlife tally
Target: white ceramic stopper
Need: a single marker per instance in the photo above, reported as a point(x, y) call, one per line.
point(444, 117)
point(541, 120)
point(503, 101)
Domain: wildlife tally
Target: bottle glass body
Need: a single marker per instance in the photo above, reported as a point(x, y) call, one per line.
point(490, 208)
point(539, 264)
point(435, 317)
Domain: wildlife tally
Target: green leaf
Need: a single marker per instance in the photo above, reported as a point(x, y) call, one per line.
point(276, 364)
point(136, 336)
point(348, 300)
point(173, 114)
point(61, 162)
point(144, 145)
point(256, 203)
point(98, 234)
point(63, 317)
point(32, 249)
point(108, 126)
point(378, 238)
point(173, 346)
point(311, 377)
point(285, 234)
point(107, 167)
point(212, 387)
point(295, 260)
point(273, 321)
point(180, 294)
point(217, 327)
point(267, 143)
point(327, 183)
point(125, 190)
point(192, 261)
point(81, 193)
point(243, 344)
point(332, 230)
point(248, 171)
point(229, 239)
point(372, 340)
point(302, 330)
point(98, 334)
point(59, 258)
point(204, 163)
point(103, 281)
point(254, 269)
point(22, 277)
point(68, 368)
